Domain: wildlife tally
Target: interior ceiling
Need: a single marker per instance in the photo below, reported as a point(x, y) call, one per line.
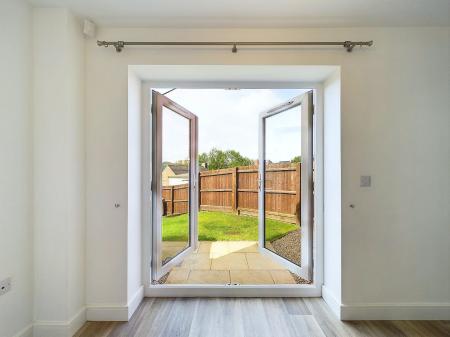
point(258, 13)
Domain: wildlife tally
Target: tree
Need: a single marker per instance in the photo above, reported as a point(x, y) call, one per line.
point(296, 159)
point(236, 159)
point(217, 159)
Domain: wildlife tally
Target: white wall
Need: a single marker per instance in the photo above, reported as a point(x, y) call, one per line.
point(394, 114)
point(76, 153)
point(16, 242)
point(332, 191)
point(106, 182)
point(395, 243)
point(59, 166)
point(134, 265)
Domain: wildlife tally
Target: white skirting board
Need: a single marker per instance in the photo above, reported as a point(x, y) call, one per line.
point(135, 301)
point(333, 303)
point(25, 332)
point(386, 311)
point(110, 312)
point(395, 311)
point(115, 312)
point(60, 328)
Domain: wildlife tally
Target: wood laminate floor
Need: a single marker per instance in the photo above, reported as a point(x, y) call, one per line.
point(251, 317)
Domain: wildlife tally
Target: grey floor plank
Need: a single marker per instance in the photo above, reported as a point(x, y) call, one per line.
point(180, 317)
point(96, 329)
point(129, 328)
point(306, 326)
point(231, 311)
point(420, 328)
point(330, 325)
point(279, 321)
point(155, 323)
point(296, 306)
point(207, 320)
point(252, 317)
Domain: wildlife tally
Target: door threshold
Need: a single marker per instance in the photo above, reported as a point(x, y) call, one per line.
point(233, 290)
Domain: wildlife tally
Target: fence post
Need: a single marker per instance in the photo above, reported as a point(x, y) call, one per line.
point(171, 199)
point(234, 192)
point(199, 187)
point(298, 184)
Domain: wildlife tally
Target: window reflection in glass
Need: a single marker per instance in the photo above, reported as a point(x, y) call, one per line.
point(175, 178)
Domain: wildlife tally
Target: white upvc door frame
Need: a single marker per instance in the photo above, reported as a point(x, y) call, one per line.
point(196, 290)
point(159, 102)
point(305, 101)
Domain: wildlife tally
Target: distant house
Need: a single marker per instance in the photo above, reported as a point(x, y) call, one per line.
point(175, 174)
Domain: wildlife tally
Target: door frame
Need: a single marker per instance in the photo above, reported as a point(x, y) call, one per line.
point(305, 101)
point(188, 290)
point(157, 268)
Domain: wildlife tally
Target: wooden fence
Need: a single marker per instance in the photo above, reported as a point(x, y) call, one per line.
point(236, 190)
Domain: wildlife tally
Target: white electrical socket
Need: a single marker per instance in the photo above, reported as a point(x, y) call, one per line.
point(5, 286)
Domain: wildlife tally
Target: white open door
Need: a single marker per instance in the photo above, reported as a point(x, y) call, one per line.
point(286, 136)
point(174, 184)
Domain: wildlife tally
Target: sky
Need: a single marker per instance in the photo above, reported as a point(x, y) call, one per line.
point(229, 119)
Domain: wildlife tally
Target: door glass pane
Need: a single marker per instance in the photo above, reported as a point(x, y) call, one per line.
point(282, 184)
point(175, 179)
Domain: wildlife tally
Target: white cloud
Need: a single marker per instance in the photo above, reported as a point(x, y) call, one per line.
point(228, 119)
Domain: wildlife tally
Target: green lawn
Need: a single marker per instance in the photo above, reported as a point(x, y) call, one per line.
point(221, 226)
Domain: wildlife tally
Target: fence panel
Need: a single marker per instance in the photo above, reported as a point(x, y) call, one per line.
point(236, 190)
point(216, 190)
point(175, 199)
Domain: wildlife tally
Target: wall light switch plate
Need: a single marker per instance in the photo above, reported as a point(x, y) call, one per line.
point(365, 181)
point(5, 286)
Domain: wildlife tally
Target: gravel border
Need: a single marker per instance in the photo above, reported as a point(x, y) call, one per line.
point(163, 279)
point(299, 280)
point(283, 246)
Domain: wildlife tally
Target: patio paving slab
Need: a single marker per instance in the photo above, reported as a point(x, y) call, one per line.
point(243, 246)
point(257, 261)
point(224, 262)
point(209, 277)
point(199, 261)
point(204, 247)
point(178, 275)
point(282, 277)
point(172, 248)
point(251, 277)
point(232, 261)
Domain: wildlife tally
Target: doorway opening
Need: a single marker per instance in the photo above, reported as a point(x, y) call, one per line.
point(219, 217)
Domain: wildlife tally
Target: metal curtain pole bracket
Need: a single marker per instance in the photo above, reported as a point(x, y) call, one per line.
point(119, 45)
